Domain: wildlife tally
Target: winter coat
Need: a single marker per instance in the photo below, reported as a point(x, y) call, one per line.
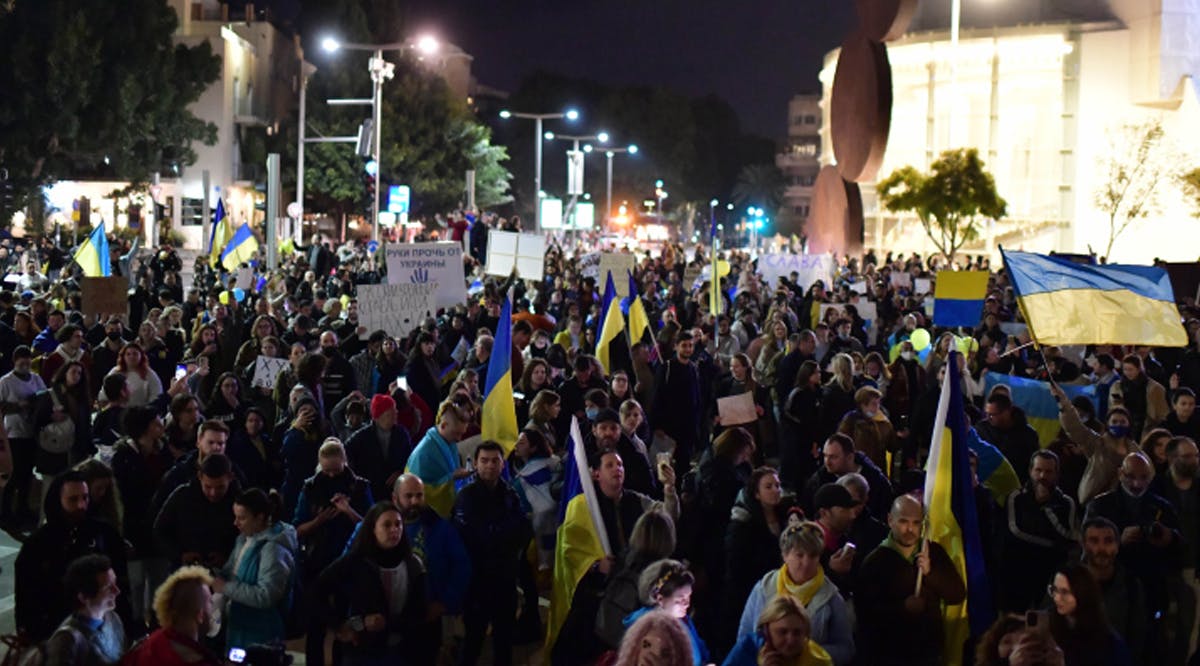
point(138, 478)
point(352, 587)
point(327, 542)
point(367, 459)
point(259, 574)
point(189, 523)
point(832, 627)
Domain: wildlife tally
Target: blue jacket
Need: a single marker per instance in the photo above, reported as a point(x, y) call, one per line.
point(437, 543)
point(259, 585)
point(700, 655)
point(831, 626)
point(45, 342)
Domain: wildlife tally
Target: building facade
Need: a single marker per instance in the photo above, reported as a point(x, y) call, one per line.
point(1049, 98)
point(800, 160)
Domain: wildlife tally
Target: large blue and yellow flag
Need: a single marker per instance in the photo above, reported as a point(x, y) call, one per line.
point(958, 298)
point(499, 409)
point(952, 520)
point(92, 256)
point(611, 326)
point(1065, 303)
point(639, 322)
point(581, 540)
point(434, 461)
point(240, 249)
point(220, 236)
point(1036, 401)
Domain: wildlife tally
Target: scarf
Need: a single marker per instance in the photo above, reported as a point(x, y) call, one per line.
point(889, 542)
point(802, 592)
point(813, 655)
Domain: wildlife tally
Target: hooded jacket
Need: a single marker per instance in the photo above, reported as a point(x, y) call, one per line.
point(259, 574)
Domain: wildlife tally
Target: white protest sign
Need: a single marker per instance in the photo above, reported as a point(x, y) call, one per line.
point(858, 287)
point(266, 371)
point(395, 308)
point(589, 265)
point(245, 279)
point(440, 264)
point(524, 252)
point(923, 286)
point(619, 265)
point(808, 267)
point(901, 280)
point(737, 409)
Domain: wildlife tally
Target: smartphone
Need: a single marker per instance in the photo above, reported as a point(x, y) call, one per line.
point(402, 383)
point(662, 460)
point(237, 655)
point(181, 371)
point(1037, 620)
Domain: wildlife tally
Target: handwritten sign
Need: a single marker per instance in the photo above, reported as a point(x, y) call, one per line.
point(439, 264)
point(245, 279)
point(737, 409)
point(104, 295)
point(901, 280)
point(808, 267)
point(266, 371)
point(922, 286)
point(589, 265)
point(524, 252)
point(619, 265)
point(395, 308)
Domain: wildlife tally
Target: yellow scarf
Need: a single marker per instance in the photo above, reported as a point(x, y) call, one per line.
point(815, 655)
point(802, 592)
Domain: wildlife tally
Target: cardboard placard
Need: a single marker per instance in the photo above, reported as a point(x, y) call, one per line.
point(266, 371)
point(440, 264)
point(902, 280)
point(105, 295)
point(524, 252)
point(737, 409)
point(808, 267)
point(619, 265)
point(395, 308)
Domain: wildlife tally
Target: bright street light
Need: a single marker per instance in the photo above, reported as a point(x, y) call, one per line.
point(506, 114)
point(572, 114)
point(632, 149)
point(602, 137)
point(329, 44)
point(569, 114)
point(713, 203)
point(428, 45)
point(549, 136)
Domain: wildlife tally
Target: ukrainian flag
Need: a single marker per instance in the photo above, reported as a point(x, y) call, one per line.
point(434, 461)
point(499, 410)
point(994, 471)
point(581, 540)
point(958, 298)
point(1065, 303)
point(240, 249)
point(92, 256)
point(611, 326)
point(1034, 398)
point(952, 519)
point(639, 321)
point(220, 236)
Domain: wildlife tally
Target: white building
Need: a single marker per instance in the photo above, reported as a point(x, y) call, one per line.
point(1041, 89)
point(800, 159)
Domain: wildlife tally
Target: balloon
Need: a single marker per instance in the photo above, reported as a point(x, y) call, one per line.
point(919, 339)
point(722, 268)
point(967, 344)
point(223, 298)
point(239, 294)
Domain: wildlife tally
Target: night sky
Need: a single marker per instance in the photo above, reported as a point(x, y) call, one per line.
point(753, 54)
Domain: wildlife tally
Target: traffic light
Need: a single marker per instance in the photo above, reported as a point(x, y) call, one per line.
point(369, 180)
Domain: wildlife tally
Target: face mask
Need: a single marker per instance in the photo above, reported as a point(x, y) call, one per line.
point(592, 413)
point(114, 335)
point(907, 355)
point(1118, 431)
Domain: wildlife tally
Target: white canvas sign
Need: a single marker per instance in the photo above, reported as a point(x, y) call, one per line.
point(266, 371)
point(809, 268)
point(439, 264)
point(524, 252)
point(395, 308)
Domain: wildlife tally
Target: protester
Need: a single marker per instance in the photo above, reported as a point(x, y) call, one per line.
point(93, 633)
point(183, 608)
point(1078, 623)
point(783, 634)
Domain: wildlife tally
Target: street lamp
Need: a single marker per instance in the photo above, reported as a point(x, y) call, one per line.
point(569, 114)
point(632, 149)
point(381, 71)
point(600, 137)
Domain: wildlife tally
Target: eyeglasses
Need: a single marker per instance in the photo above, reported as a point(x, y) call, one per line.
point(1058, 591)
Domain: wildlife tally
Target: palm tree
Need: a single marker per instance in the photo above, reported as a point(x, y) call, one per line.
point(762, 185)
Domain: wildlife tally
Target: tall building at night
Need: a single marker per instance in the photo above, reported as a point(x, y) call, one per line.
point(1043, 89)
point(800, 159)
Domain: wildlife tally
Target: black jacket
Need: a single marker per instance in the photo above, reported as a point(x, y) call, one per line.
point(324, 545)
point(189, 523)
point(352, 587)
point(1018, 443)
point(879, 501)
point(261, 471)
point(639, 476)
point(1035, 540)
point(183, 472)
point(138, 478)
point(367, 459)
point(495, 531)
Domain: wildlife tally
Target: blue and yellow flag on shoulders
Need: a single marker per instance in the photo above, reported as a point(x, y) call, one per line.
point(499, 409)
point(434, 461)
point(1036, 401)
point(1065, 303)
point(953, 522)
point(240, 249)
point(92, 256)
point(581, 540)
point(958, 298)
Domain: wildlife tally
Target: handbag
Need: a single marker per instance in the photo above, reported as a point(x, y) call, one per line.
point(57, 436)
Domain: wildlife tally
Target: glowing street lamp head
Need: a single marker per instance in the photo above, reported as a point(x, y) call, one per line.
point(506, 114)
point(609, 154)
point(427, 45)
point(549, 136)
point(587, 148)
point(658, 184)
point(602, 137)
point(329, 44)
point(572, 114)
point(713, 203)
point(632, 149)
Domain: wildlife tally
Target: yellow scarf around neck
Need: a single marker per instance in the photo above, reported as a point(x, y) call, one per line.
point(802, 592)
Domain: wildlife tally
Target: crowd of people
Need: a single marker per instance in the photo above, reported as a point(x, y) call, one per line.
point(177, 508)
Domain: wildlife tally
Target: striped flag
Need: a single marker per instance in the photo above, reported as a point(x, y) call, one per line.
point(499, 409)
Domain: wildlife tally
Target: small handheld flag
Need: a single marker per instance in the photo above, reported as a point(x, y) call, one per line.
point(92, 256)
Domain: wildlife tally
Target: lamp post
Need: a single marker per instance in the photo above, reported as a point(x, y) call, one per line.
point(569, 114)
point(599, 137)
point(632, 149)
point(381, 71)
point(659, 195)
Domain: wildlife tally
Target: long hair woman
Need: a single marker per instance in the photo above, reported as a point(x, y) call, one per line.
point(373, 597)
point(543, 411)
point(800, 427)
point(667, 585)
point(652, 539)
point(66, 399)
point(837, 396)
point(1078, 622)
point(256, 578)
point(225, 404)
point(144, 385)
point(656, 639)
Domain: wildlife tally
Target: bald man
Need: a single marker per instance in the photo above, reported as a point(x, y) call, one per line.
point(1150, 538)
point(905, 629)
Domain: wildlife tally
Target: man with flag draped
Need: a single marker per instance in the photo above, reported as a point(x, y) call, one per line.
point(914, 590)
point(598, 518)
point(499, 409)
